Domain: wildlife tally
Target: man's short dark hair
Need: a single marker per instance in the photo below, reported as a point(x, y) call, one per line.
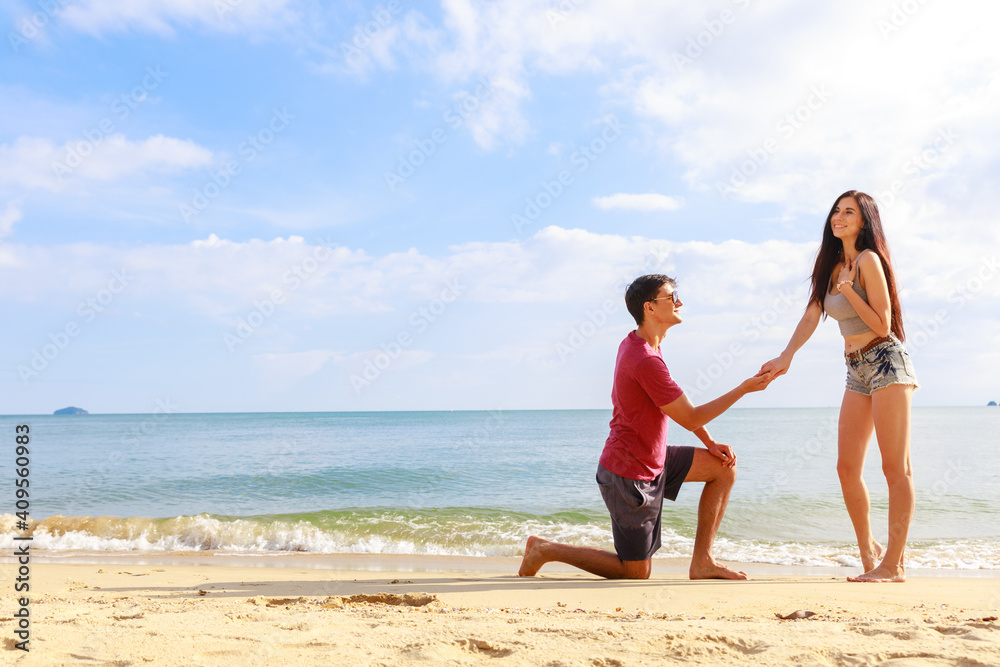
point(643, 289)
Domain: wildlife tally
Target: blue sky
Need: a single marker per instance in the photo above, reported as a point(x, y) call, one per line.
point(250, 205)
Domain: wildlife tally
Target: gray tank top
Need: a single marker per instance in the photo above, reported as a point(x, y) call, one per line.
point(839, 308)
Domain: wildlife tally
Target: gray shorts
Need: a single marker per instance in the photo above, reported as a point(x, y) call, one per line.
point(880, 365)
point(636, 506)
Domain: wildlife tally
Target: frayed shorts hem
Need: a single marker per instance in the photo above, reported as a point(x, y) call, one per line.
point(869, 393)
point(884, 365)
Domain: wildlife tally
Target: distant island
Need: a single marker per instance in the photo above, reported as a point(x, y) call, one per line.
point(71, 411)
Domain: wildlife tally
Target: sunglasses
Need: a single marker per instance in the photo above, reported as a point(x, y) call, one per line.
point(673, 297)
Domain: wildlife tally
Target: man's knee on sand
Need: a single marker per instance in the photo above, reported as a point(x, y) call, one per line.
point(637, 569)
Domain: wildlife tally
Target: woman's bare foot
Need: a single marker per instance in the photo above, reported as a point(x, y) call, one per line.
point(870, 557)
point(533, 559)
point(882, 574)
point(712, 570)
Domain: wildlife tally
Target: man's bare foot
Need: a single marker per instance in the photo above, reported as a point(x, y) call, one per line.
point(533, 559)
point(882, 574)
point(870, 557)
point(713, 570)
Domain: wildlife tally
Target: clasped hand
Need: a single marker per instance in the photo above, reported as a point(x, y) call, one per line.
point(847, 272)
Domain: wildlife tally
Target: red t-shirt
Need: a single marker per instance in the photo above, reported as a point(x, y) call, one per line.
point(637, 445)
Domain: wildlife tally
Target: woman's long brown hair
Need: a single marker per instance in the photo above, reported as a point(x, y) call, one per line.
point(870, 238)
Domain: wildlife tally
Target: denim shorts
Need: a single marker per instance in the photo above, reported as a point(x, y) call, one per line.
point(884, 364)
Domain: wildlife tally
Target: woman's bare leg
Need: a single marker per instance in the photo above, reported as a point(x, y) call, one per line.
point(854, 434)
point(891, 413)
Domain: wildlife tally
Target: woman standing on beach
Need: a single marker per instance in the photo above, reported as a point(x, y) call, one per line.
point(853, 282)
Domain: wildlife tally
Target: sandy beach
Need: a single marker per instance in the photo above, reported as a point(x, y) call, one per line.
point(390, 610)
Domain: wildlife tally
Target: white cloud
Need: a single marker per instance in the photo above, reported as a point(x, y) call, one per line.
point(555, 266)
point(636, 202)
point(161, 16)
point(287, 368)
point(740, 116)
point(510, 40)
point(35, 162)
point(397, 359)
point(792, 119)
point(752, 124)
point(8, 217)
point(524, 304)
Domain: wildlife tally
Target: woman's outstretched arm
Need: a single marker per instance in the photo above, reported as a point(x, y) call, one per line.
point(807, 325)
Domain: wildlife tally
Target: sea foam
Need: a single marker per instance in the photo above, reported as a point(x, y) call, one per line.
point(448, 532)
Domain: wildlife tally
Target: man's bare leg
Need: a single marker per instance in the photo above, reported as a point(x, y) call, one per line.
point(719, 480)
point(538, 552)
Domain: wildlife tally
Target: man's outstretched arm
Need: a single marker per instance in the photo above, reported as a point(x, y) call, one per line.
point(693, 417)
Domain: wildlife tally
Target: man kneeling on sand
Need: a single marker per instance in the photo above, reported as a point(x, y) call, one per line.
point(637, 469)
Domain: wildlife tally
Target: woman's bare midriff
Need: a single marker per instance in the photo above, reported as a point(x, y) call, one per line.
point(853, 343)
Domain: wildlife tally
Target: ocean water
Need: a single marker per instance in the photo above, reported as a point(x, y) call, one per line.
point(474, 483)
